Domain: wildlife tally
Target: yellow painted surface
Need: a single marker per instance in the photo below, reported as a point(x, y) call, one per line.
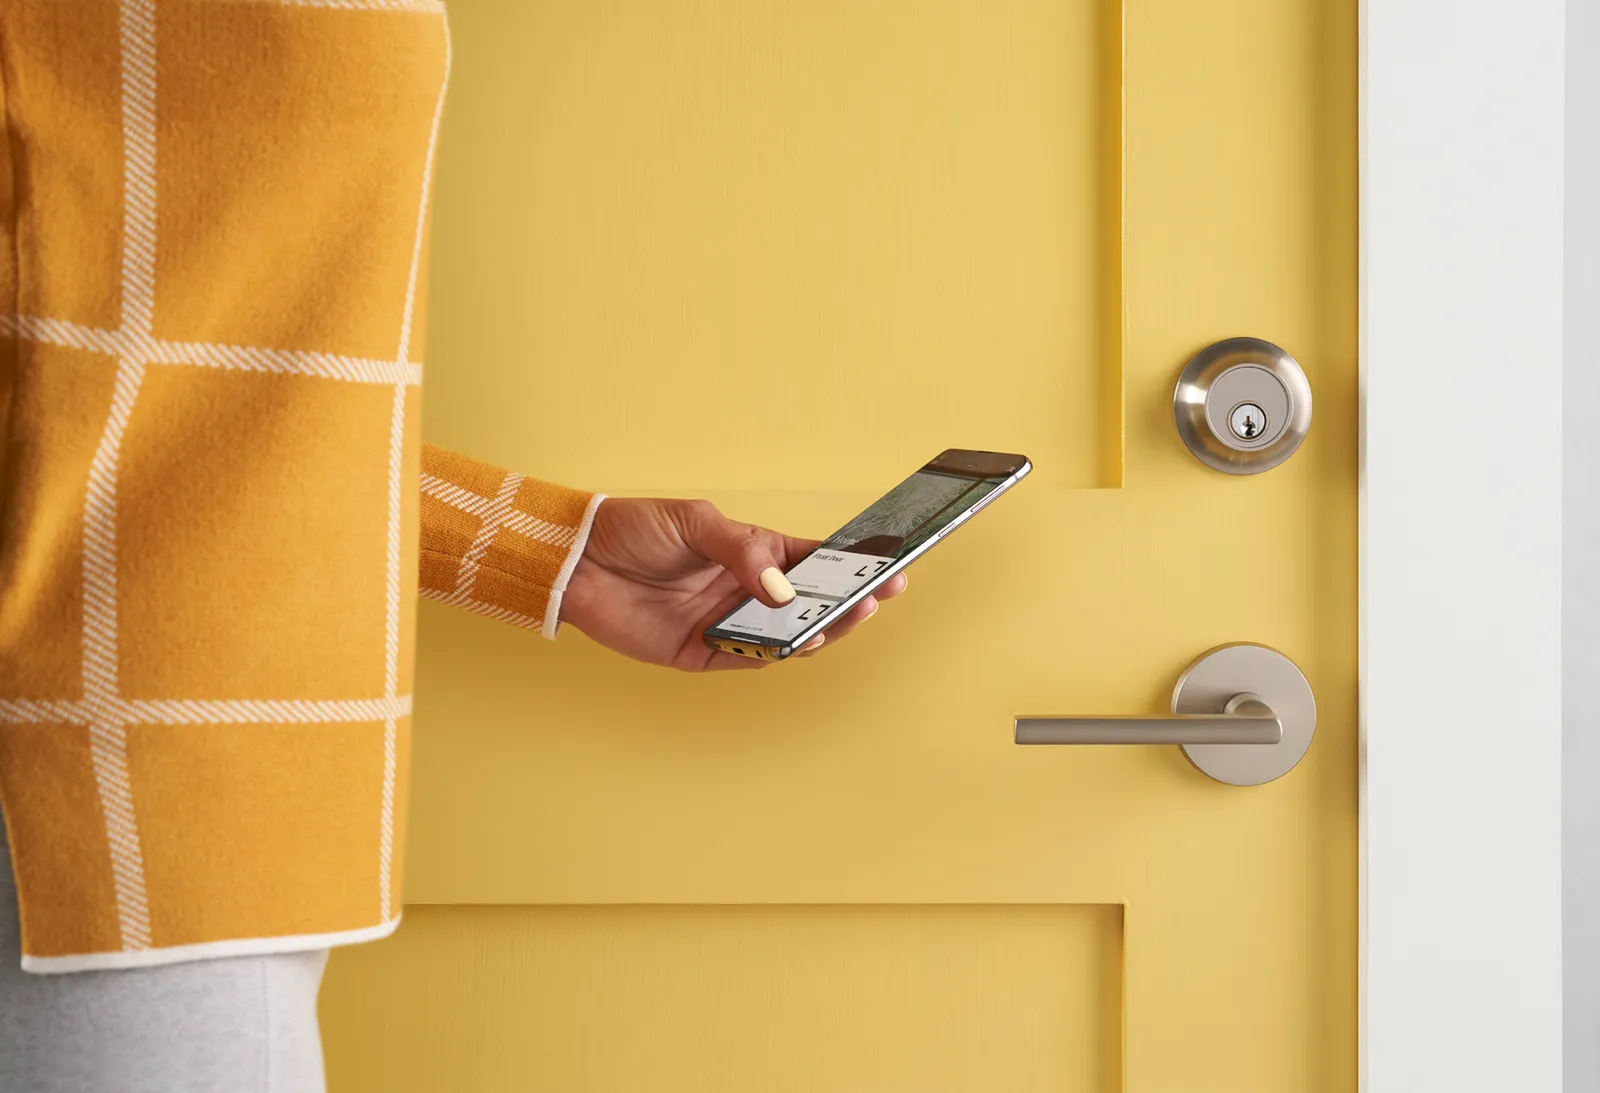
point(729, 235)
point(700, 227)
point(779, 999)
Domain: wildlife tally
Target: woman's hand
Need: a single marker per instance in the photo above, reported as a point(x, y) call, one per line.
point(656, 573)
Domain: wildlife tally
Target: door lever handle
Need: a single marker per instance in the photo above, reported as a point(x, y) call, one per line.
point(1243, 714)
point(1244, 719)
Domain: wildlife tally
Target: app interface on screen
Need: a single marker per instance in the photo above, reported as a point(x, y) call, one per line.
point(896, 525)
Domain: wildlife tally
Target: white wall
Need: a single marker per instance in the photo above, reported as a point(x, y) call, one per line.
point(1581, 558)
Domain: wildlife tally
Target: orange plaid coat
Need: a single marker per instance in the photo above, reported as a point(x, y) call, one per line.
point(215, 505)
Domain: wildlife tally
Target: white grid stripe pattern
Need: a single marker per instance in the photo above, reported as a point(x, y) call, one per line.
point(100, 538)
point(241, 358)
point(108, 754)
point(494, 518)
point(108, 739)
point(396, 456)
point(504, 614)
point(138, 40)
point(102, 710)
point(391, 669)
point(496, 514)
point(60, 332)
point(190, 711)
point(484, 509)
point(331, 366)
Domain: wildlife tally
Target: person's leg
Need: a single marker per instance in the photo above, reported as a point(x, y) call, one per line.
point(238, 1025)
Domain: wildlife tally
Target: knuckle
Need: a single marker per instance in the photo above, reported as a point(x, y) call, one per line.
point(701, 509)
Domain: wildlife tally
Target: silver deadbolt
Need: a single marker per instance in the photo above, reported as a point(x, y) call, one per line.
point(1242, 405)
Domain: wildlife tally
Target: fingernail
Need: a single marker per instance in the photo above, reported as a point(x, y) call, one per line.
point(777, 585)
point(872, 609)
point(814, 643)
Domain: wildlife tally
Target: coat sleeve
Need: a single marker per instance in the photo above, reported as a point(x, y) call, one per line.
point(497, 543)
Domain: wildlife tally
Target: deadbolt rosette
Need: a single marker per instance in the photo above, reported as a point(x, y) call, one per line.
point(1242, 405)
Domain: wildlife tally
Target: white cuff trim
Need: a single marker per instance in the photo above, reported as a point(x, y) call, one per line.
point(552, 610)
point(206, 950)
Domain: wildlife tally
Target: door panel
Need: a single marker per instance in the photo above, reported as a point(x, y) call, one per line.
point(770, 998)
point(779, 220)
point(560, 782)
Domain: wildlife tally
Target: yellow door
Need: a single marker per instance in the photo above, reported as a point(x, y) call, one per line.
point(779, 253)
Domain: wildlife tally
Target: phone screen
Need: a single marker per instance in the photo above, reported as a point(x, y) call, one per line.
point(897, 526)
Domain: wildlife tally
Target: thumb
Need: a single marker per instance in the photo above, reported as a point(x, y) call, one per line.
point(746, 551)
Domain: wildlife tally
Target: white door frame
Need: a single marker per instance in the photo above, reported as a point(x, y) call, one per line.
point(1461, 343)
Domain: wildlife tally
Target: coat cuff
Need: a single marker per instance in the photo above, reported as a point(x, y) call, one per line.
point(497, 543)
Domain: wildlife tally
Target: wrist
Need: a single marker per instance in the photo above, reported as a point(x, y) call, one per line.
point(577, 591)
point(579, 594)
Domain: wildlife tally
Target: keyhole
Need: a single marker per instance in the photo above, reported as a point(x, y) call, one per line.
point(1247, 421)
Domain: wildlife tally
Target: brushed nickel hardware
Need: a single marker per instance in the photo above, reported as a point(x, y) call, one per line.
point(1242, 405)
point(1243, 714)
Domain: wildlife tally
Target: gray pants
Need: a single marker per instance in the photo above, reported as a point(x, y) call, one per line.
point(239, 1025)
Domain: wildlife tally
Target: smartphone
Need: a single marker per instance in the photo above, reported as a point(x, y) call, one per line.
point(899, 528)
